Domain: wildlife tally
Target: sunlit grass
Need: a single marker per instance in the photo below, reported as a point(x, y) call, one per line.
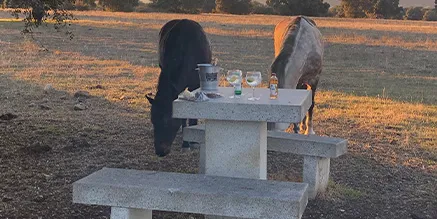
point(120, 80)
point(428, 44)
point(384, 122)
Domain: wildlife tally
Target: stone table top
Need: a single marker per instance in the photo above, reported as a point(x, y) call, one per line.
point(290, 107)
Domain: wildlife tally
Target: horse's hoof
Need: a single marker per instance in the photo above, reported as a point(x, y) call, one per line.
point(310, 132)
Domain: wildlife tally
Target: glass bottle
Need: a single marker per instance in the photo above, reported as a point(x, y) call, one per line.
point(273, 87)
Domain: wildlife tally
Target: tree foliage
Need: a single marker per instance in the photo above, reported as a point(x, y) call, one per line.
point(336, 11)
point(388, 8)
point(179, 6)
point(414, 13)
point(119, 5)
point(371, 8)
point(36, 12)
point(300, 7)
point(81, 5)
point(355, 8)
point(233, 6)
point(208, 6)
point(430, 15)
point(259, 8)
point(84, 5)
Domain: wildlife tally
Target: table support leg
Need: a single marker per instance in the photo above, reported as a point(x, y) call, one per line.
point(316, 174)
point(130, 213)
point(234, 149)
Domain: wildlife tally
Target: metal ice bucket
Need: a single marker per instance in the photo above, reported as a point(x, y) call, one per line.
point(209, 76)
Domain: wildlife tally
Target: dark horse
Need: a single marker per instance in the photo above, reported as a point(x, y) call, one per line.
point(182, 45)
point(298, 61)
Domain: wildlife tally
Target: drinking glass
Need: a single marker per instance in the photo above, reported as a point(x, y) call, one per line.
point(234, 77)
point(253, 79)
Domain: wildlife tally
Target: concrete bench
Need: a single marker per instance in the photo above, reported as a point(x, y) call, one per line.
point(133, 194)
point(317, 152)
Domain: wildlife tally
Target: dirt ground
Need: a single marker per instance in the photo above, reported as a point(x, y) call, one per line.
point(46, 144)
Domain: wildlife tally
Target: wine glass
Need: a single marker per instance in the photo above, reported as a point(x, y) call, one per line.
point(253, 79)
point(234, 77)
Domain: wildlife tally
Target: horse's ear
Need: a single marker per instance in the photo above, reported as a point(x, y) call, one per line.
point(150, 99)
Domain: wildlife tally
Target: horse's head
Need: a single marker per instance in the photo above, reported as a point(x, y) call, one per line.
point(165, 127)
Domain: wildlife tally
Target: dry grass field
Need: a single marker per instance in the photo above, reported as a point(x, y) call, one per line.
point(378, 90)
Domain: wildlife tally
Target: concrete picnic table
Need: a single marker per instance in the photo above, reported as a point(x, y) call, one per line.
point(236, 128)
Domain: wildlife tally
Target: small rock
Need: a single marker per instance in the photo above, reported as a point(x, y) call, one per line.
point(97, 87)
point(82, 94)
point(37, 148)
point(32, 105)
point(80, 143)
point(44, 107)
point(125, 98)
point(8, 116)
point(80, 99)
point(185, 150)
point(63, 97)
point(82, 134)
point(48, 88)
point(80, 106)
point(6, 199)
point(39, 198)
point(75, 144)
point(45, 100)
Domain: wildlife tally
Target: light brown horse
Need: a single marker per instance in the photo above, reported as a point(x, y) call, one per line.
point(298, 61)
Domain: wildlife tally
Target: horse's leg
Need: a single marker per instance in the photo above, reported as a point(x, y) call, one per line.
point(309, 118)
point(191, 122)
point(302, 124)
point(185, 144)
point(309, 121)
point(296, 128)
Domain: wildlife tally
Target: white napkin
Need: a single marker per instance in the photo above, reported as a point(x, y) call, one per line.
point(199, 96)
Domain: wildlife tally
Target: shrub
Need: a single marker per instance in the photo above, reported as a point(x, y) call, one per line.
point(178, 6)
point(11, 4)
point(336, 11)
point(258, 8)
point(414, 13)
point(430, 15)
point(208, 6)
point(233, 6)
point(144, 8)
point(119, 5)
point(80, 5)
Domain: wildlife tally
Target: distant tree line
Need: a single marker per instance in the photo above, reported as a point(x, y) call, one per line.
point(282, 7)
point(389, 9)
